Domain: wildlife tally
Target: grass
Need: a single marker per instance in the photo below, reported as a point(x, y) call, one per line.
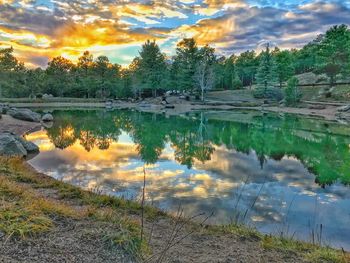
point(341, 93)
point(312, 253)
point(25, 213)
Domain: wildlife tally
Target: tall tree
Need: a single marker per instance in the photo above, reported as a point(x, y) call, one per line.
point(152, 67)
point(285, 65)
point(266, 76)
point(204, 75)
point(186, 60)
point(334, 53)
point(246, 67)
point(58, 76)
point(9, 65)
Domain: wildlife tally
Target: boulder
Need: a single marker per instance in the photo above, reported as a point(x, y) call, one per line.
point(344, 108)
point(9, 146)
point(29, 146)
point(14, 145)
point(47, 96)
point(47, 117)
point(4, 107)
point(24, 114)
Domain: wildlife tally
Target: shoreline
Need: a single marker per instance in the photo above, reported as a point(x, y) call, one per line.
point(330, 112)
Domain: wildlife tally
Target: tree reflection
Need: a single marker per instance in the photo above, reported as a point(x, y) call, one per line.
point(323, 149)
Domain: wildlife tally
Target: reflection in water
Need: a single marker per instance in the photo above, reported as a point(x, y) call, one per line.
point(281, 174)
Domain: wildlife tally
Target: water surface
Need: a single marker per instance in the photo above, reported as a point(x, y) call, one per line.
point(279, 173)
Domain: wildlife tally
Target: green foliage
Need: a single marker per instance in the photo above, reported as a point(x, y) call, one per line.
point(246, 67)
point(334, 52)
point(292, 92)
point(285, 65)
point(267, 77)
point(152, 67)
point(185, 63)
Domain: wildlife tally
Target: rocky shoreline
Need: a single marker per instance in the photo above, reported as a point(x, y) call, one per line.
point(14, 125)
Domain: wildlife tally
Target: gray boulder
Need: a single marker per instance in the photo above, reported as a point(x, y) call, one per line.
point(29, 146)
point(47, 117)
point(24, 114)
point(344, 108)
point(14, 145)
point(9, 146)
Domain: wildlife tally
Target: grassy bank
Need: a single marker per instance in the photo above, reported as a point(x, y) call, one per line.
point(35, 208)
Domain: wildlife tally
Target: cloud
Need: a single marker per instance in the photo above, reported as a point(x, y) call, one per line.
point(68, 27)
point(244, 27)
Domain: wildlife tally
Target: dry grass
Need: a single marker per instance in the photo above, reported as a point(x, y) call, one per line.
point(312, 253)
point(25, 212)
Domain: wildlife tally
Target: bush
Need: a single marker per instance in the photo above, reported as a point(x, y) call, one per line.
point(292, 92)
point(237, 84)
point(272, 93)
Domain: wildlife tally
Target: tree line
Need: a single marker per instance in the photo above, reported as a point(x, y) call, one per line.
point(192, 69)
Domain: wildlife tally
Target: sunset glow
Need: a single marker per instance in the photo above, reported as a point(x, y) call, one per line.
point(41, 29)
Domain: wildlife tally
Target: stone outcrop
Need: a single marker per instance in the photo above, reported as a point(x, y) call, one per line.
point(24, 114)
point(14, 145)
point(344, 108)
point(47, 117)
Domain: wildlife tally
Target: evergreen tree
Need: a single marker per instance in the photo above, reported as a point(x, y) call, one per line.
point(285, 65)
point(334, 53)
point(266, 76)
point(58, 78)
point(292, 93)
point(186, 61)
point(152, 67)
point(246, 67)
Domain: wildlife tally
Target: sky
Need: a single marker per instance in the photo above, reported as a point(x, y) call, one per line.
point(39, 30)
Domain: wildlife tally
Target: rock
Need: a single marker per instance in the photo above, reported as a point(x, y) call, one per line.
point(25, 115)
point(47, 96)
point(344, 108)
point(317, 107)
point(144, 104)
point(29, 146)
point(4, 107)
point(47, 117)
point(14, 145)
point(9, 146)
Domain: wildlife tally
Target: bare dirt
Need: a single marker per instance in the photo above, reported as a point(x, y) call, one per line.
point(7, 123)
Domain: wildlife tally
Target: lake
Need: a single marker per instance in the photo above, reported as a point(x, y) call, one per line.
point(283, 174)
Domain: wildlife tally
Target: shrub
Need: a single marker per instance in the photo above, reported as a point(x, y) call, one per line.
point(292, 92)
point(237, 83)
point(272, 93)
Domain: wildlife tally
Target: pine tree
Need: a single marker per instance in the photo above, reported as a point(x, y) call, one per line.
point(267, 77)
point(152, 67)
point(186, 59)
